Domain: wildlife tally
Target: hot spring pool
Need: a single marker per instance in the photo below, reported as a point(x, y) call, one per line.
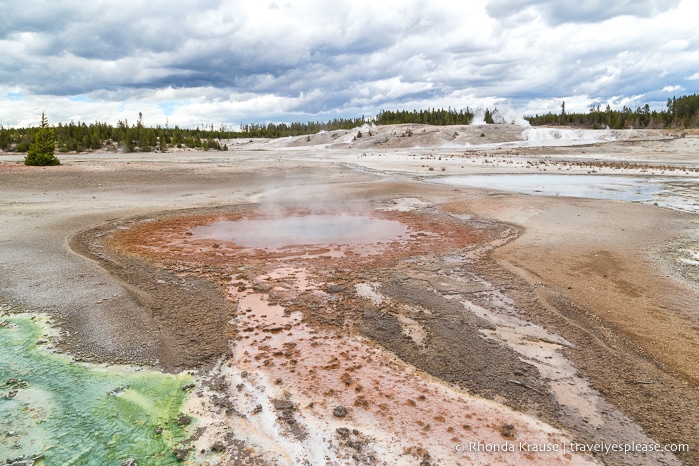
point(277, 232)
point(71, 414)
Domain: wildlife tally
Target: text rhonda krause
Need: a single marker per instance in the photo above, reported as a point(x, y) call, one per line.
point(603, 447)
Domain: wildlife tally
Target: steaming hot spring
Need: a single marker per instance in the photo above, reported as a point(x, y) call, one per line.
point(323, 303)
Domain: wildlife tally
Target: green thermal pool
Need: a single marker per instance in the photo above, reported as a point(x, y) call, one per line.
point(81, 414)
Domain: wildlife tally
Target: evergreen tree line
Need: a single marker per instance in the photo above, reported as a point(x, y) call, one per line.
point(682, 112)
point(438, 117)
point(278, 130)
point(79, 137)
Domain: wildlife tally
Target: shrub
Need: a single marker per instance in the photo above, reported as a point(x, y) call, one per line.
point(22, 146)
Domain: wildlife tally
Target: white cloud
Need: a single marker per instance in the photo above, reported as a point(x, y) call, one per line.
point(251, 61)
point(673, 88)
point(589, 11)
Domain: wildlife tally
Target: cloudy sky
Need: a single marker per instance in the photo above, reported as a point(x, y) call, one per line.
point(226, 62)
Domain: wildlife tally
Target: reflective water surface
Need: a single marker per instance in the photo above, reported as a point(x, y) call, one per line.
point(283, 231)
point(679, 194)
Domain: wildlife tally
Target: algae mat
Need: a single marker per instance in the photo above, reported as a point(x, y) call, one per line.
point(59, 412)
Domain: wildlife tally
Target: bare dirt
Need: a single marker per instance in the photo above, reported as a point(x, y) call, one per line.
point(509, 317)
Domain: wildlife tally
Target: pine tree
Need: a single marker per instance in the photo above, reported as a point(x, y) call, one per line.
point(41, 151)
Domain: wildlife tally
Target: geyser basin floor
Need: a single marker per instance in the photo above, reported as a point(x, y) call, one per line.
point(41, 208)
point(307, 381)
point(75, 414)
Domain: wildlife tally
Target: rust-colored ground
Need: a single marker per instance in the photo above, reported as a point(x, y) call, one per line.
point(299, 312)
point(303, 312)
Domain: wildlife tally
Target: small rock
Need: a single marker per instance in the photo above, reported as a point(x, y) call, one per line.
point(343, 432)
point(218, 447)
point(188, 387)
point(340, 411)
point(181, 454)
point(284, 405)
point(129, 462)
point(184, 420)
point(507, 430)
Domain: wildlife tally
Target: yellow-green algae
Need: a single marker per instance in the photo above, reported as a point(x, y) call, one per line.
point(82, 414)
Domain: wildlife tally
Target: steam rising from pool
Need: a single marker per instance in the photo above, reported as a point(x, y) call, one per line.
point(284, 231)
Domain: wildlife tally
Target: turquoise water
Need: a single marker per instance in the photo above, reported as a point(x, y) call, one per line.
point(79, 414)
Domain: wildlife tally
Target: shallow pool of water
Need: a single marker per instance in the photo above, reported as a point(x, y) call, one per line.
point(679, 194)
point(283, 231)
point(80, 414)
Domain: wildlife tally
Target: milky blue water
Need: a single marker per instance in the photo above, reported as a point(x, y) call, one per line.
point(288, 230)
point(679, 194)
